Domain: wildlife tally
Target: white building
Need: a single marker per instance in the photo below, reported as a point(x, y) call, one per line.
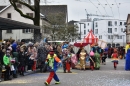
point(10, 13)
point(108, 30)
point(111, 31)
point(84, 26)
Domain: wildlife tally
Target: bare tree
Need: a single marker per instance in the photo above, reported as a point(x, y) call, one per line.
point(59, 29)
point(35, 9)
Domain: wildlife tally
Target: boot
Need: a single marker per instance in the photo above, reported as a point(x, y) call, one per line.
point(23, 73)
point(92, 68)
point(14, 75)
point(69, 71)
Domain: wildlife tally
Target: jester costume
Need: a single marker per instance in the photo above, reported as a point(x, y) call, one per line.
point(127, 63)
point(52, 61)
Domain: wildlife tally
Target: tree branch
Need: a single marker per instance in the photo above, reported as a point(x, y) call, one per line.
point(27, 5)
point(18, 10)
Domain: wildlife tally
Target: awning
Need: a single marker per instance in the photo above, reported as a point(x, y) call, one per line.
point(90, 38)
point(6, 24)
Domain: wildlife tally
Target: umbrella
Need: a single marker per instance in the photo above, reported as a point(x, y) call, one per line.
point(80, 44)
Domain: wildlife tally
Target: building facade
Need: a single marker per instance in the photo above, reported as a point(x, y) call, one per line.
point(108, 30)
point(84, 26)
point(111, 31)
point(10, 13)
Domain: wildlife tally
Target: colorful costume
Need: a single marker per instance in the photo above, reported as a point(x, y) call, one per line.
point(82, 59)
point(52, 61)
point(127, 63)
point(115, 58)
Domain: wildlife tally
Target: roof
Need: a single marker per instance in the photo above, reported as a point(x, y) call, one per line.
point(1, 7)
point(128, 16)
point(4, 8)
point(90, 38)
point(50, 9)
point(90, 35)
point(6, 24)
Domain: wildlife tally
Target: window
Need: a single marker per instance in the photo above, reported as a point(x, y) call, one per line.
point(84, 32)
point(109, 30)
point(120, 23)
point(121, 29)
point(88, 24)
point(29, 14)
point(109, 23)
point(120, 37)
point(96, 31)
point(84, 25)
point(8, 15)
point(124, 23)
point(8, 31)
point(96, 24)
point(109, 36)
point(115, 23)
point(100, 37)
point(115, 29)
point(27, 30)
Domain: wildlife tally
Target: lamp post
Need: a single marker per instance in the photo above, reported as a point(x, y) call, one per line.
point(80, 29)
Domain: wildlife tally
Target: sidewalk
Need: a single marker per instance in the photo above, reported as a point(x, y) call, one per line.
point(25, 74)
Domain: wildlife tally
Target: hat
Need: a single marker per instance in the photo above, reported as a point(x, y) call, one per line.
point(51, 50)
point(51, 53)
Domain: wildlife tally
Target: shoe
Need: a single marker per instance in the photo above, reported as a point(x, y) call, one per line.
point(69, 72)
point(46, 83)
point(57, 82)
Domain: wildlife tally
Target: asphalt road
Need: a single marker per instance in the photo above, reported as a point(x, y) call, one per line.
point(106, 76)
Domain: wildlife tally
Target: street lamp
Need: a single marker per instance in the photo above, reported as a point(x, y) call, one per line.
point(80, 29)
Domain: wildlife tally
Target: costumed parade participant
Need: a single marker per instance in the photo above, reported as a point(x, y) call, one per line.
point(96, 50)
point(115, 58)
point(82, 59)
point(104, 56)
point(42, 53)
point(127, 63)
point(92, 60)
point(66, 60)
point(52, 61)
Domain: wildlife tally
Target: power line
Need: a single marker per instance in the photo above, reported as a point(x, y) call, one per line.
point(118, 9)
point(110, 8)
point(103, 7)
point(95, 6)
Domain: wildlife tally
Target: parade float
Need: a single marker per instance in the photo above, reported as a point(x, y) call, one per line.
point(87, 42)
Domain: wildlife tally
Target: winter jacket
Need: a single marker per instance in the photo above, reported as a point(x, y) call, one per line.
point(6, 60)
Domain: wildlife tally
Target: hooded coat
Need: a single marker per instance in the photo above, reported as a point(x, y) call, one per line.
point(127, 63)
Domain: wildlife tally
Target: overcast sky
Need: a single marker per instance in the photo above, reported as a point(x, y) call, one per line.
point(119, 9)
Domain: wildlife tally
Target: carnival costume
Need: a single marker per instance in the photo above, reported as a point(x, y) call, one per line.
point(115, 59)
point(66, 61)
point(52, 61)
point(127, 63)
point(82, 59)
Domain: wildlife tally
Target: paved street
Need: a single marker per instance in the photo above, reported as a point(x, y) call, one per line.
point(106, 76)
